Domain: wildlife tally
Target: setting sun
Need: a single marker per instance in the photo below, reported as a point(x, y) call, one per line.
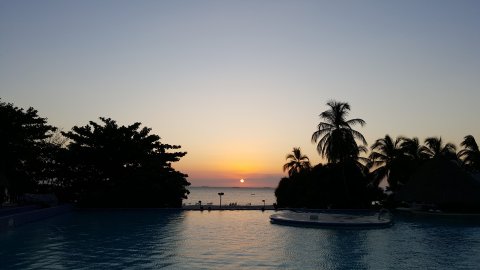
point(242, 181)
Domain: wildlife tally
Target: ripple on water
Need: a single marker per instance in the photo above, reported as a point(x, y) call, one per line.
point(154, 239)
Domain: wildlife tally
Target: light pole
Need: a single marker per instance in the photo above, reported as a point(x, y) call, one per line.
point(221, 194)
point(263, 208)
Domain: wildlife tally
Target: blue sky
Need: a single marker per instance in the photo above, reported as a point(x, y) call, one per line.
point(240, 83)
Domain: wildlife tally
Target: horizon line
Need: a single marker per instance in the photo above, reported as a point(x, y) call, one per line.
point(203, 186)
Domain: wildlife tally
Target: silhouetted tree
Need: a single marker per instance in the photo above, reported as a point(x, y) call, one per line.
point(384, 153)
point(54, 146)
point(122, 166)
point(25, 150)
point(335, 137)
point(470, 154)
point(434, 148)
point(297, 162)
point(411, 147)
point(283, 192)
point(394, 160)
point(320, 188)
point(362, 162)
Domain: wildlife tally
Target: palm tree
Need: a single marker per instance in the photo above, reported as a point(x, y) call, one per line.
point(434, 148)
point(296, 162)
point(411, 147)
point(335, 135)
point(470, 154)
point(384, 153)
point(363, 163)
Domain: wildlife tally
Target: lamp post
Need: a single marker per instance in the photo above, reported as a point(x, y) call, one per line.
point(263, 208)
point(221, 194)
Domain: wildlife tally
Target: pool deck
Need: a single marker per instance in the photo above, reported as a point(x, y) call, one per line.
point(227, 207)
point(11, 217)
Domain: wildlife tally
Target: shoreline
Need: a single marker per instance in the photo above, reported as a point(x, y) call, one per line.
point(226, 207)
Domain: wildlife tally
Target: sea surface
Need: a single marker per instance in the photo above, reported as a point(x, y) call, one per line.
point(176, 239)
point(240, 196)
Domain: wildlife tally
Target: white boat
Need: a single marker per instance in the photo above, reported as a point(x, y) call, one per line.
point(381, 219)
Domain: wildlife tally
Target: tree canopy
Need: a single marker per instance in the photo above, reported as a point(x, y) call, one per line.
point(470, 154)
point(335, 136)
point(393, 160)
point(100, 164)
point(434, 148)
point(126, 166)
point(342, 183)
point(349, 180)
point(25, 150)
point(296, 162)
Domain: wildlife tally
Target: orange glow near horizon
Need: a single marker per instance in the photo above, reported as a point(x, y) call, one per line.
point(231, 179)
point(219, 90)
point(224, 160)
point(227, 165)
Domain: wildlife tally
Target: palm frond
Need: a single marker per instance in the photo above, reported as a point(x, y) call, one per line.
point(450, 147)
point(319, 133)
point(378, 175)
point(470, 143)
point(335, 137)
point(356, 121)
point(324, 141)
point(378, 163)
point(426, 152)
point(359, 136)
point(362, 149)
point(290, 156)
point(377, 156)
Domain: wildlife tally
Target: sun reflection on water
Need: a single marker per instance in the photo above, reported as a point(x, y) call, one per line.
point(154, 239)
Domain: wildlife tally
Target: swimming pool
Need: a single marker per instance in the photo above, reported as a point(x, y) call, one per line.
point(152, 239)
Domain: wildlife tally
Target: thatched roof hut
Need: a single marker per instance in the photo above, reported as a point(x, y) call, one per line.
point(443, 183)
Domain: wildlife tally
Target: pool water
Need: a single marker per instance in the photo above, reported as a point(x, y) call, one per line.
point(153, 239)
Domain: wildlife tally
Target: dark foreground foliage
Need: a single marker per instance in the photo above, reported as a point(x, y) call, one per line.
point(26, 155)
point(343, 182)
point(327, 186)
point(106, 165)
point(431, 175)
point(97, 165)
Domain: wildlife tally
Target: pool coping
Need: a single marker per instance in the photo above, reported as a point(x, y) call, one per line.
point(227, 207)
point(18, 219)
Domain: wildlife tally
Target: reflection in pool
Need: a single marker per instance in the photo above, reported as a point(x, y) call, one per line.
point(153, 239)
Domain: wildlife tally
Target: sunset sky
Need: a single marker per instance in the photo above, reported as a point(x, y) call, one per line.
point(238, 84)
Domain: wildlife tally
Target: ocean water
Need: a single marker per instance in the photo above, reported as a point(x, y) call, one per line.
point(175, 239)
point(240, 196)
